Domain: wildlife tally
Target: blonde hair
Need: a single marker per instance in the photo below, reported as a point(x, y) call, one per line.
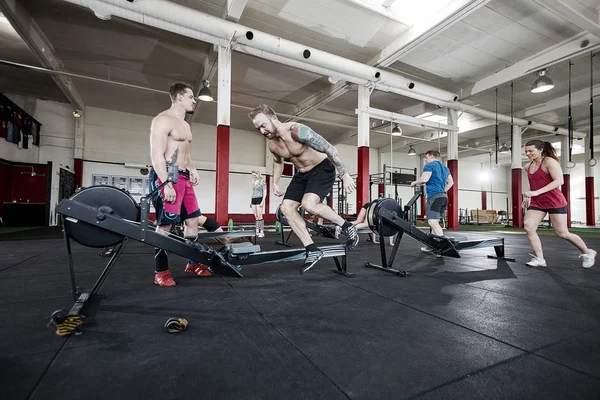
point(259, 176)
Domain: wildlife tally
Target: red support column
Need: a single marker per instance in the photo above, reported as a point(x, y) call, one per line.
point(222, 176)
point(423, 209)
point(381, 190)
point(483, 200)
point(78, 169)
point(517, 194)
point(362, 180)
point(453, 196)
point(590, 202)
point(566, 190)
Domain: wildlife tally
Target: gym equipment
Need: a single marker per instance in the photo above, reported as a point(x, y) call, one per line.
point(105, 216)
point(395, 176)
point(386, 218)
point(326, 232)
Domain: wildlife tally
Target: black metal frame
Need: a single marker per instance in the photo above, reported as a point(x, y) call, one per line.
point(441, 245)
point(229, 260)
point(323, 231)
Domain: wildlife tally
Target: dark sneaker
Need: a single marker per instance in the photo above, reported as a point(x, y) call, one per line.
point(351, 236)
point(311, 259)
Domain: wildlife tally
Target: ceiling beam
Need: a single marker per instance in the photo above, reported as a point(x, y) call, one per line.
point(574, 13)
point(573, 47)
point(409, 40)
point(426, 29)
point(233, 12)
point(405, 119)
point(29, 31)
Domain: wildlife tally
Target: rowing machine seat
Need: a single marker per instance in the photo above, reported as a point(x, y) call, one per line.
point(242, 248)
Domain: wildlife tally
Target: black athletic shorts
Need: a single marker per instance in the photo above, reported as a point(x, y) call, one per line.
point(256, 200)
point(436, 206)
point(318, 180)
point(561, 210)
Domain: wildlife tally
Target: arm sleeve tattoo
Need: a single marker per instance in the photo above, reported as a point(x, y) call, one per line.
point(303, 134)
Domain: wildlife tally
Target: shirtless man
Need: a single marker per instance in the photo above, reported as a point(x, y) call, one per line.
point(316, 161)
point(170, 140)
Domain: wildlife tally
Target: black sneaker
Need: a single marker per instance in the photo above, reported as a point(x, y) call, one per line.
point(351, 236)
point(311, 259)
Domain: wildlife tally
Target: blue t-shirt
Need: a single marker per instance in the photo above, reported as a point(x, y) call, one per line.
point(437, 182)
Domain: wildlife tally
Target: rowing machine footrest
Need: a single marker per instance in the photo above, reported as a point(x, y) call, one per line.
point(243, 248)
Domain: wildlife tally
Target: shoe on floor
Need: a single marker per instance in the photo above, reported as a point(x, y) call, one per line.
point(426, 249)
point(197, 269)
point(589, 259)
point(164, 278)
point(536, 262)
point(351, 236)
point(311, 259)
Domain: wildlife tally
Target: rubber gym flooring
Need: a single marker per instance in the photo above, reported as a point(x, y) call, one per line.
point(469, 328)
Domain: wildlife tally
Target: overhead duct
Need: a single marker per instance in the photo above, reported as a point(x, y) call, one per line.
point(182, 20)
point(188, 22)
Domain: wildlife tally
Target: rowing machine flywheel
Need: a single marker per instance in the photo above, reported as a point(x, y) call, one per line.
point(105, 199)
point(373, 217)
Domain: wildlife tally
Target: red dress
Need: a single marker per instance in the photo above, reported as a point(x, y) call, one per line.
point(548, 200)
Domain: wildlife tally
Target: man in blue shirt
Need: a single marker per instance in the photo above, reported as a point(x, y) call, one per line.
point(438, 181)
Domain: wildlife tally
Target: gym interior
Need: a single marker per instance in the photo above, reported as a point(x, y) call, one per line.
point(382, 81)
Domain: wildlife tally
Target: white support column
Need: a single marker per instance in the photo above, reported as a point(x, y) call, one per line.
point(516, 179)
point(362, 179)
point(515, 152)
point(363, 116)
point(452, 135)
point(224, 98)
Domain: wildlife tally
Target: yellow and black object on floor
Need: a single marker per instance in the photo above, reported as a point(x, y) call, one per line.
point(66, 325)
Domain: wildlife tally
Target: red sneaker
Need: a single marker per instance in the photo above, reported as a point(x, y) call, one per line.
point(198, 269)
point(164, 278)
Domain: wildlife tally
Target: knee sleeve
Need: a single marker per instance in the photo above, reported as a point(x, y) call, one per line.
point(211, 225)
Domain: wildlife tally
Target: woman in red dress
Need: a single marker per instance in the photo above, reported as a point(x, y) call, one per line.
point(545, 178)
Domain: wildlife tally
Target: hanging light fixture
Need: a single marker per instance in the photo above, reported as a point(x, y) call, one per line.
point(412, 151)
point(542, 83)
point(396, 130)
point(504, 149)
point(205, 94)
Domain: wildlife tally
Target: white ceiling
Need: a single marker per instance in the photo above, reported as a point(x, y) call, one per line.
point(494, 36)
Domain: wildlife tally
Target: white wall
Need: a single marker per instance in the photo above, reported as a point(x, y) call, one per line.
point(57, 138)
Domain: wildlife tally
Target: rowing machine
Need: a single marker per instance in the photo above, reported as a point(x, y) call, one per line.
point(385, 217)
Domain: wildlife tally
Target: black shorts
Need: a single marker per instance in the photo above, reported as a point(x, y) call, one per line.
point(561, 210)
point(256, 200)
point(318, 180)
point(436, 206)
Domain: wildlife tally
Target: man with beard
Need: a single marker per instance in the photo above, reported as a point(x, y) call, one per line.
point(316, 162)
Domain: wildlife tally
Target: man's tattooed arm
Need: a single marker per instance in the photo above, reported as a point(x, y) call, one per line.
point(303, 134)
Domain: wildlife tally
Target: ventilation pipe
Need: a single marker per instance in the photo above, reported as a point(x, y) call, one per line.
point(182, 20)
point(300, 65)
point(178, 19)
